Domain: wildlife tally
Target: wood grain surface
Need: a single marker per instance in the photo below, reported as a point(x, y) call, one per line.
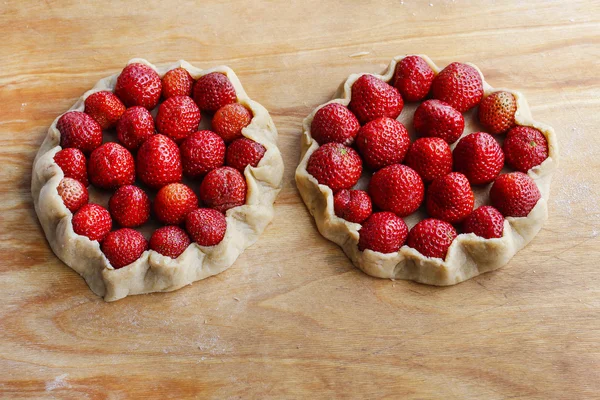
point(292, 318)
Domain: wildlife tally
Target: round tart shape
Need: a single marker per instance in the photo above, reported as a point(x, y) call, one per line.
point(152, 271)
point(469, 255)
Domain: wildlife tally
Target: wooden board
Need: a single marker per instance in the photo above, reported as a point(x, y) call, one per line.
point(292, 318)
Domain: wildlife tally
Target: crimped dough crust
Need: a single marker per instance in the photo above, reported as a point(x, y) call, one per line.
point(153, 272)
point(469, 255)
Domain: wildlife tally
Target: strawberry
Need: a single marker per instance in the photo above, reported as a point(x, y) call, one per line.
point(459, 85)
point(79, 130)
point(514, 194)
point(450, 198)
point(123, 246)
point(372, 98)
point(177, 82)
point(243, 152)
point(413, 78)
point(229, 121)
point(129, 206)
point(497, 112)
point(178, 117)
point(335, 165)
point(92, 221)
point(431, 157)
point(170, 241)
point(486, 222)
point(73, 164)
point(135, 126)
point(139, 85)
point(352, 205)
point(431, 237)
point(111, 165)
point(213, 91)
point(334, 123)
point(206, 226)
point(434, 118)
point(525, 148)
point(105, 108)
point(397, 188)
point(384, 232)
point(202, 152)
point(478, 156)
point(382, 142)
point(73, 193)
point(173, 202)
point(158, 162)
point(223, 188)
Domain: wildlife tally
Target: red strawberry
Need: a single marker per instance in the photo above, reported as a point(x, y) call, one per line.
point(382, 142)
point(129, 206)
point(514, 194)
point(334, 123)
point(352, 205)
point(335, 165)
point(431, 157)
point(178, 117)
point(459, 85)
point(79, 130)
point(434, 118)
point(431, 237)
point(478, 156)
point(173, 202)
point(243, 152)
point(384, 232)
point(372, 98)
point(135, 126)
point(123, 246)
point(413, 78)
point(177, 82)
point(486, 222)
point(139, 85)
point(450, 198)
point(229, 121)
point(525, 148)
point(73, 193)
point(213, 91)
point(170, 241)
point(92, 221)
point(397, 188)
point(159, 162)
point(105, 108)
point(223, 188)
point(206, 226)
point(73, 164)
point(202, 152)
point(497, 112)
point(111, 165)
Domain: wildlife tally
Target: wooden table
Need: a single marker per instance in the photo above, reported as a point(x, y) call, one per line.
point(293, 318)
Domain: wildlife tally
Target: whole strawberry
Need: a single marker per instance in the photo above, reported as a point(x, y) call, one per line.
point(497, 112)
point(382, 142)
point(478, 156)
point(177, 82)
point(450, 198)
point(334, 123)
point(202, 152)
point(229, 121)
point(431, 237)
point(139, 85)
point(384, 232)
point(123, 246)
point(486, 222)
point(170, 241)
point(206, 226)
point(135, 126)
point(173, 202)
point(111, 165)
point(105, 108)
point(73, 164)
point(459, 85)
point(352, 205)
point(431, 157)
point(514, 194)
point(335, 165)
point(92, 221)
point(397, 188)
point(178, 117)
point(213, 91)
point(413, 78)
point(80, 131)
point(525, 148)
point(129, 206)
point(243, 152)
point(372, 98)
point(223, 188)
point(159, 162)
point(435, 118)
point(73, 193)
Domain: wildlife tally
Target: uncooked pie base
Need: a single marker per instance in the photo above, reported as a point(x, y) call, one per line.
point(153, 272)
point(469, 255)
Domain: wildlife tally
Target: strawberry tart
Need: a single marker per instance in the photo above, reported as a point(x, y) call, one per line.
point(156, 178)
point(425, 173)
